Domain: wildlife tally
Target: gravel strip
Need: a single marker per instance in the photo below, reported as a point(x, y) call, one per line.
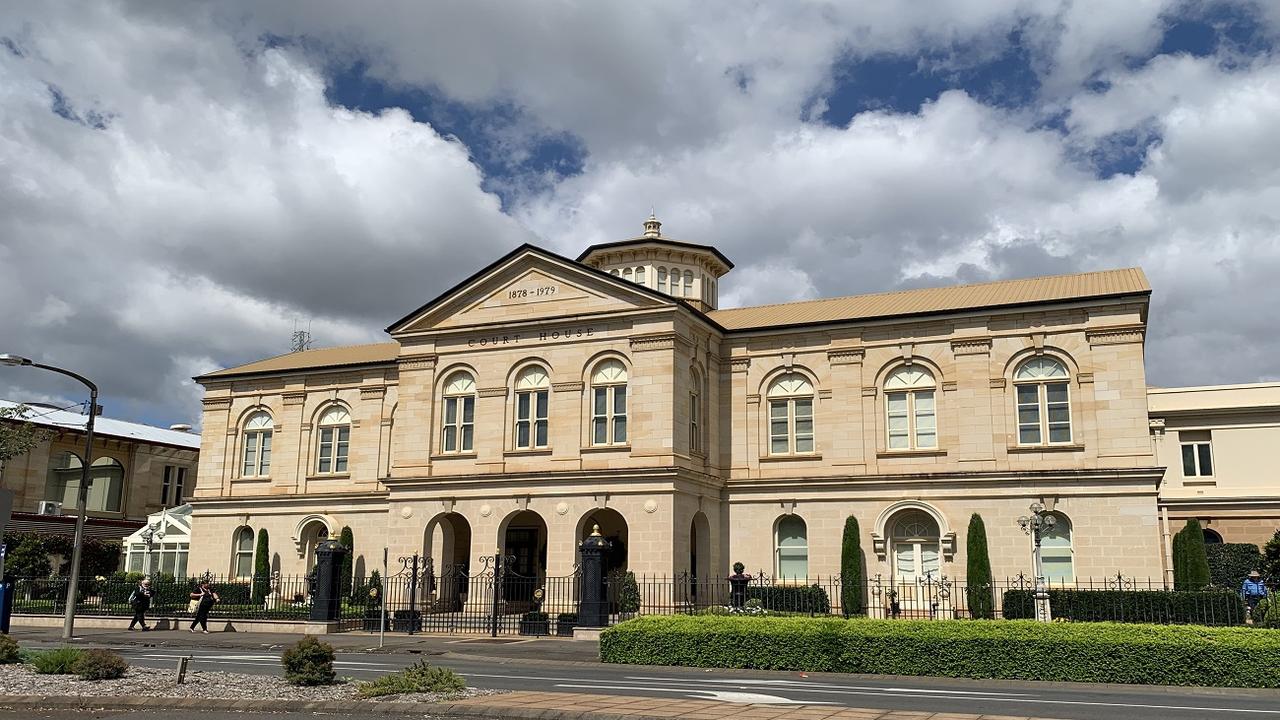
point(151, 682)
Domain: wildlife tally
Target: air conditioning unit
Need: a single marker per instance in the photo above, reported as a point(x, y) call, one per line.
point(48, 507)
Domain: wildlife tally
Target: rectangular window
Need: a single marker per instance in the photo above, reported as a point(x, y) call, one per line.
point(531, 419)
point(180, 487)
point(175, 481)
point(164, 487)
point(1055, 563)
point(264, 463)
point(926, 420)
point(326, 450)
point(468, 423)
point(1197, 460)
point(899, 432)
point(804, 425)
point(1058, 409)
point(619, 414)
point(1028, 414)
point(344, 443)
point(779, 441)
point(451, 424)
point(695, 423)
point(251, 454)
point(600, 417)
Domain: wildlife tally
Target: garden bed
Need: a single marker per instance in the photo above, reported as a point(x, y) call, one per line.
point(149, 682)
point(1004, 649)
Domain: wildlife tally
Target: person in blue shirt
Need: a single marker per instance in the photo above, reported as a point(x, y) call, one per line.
point(1252, 590)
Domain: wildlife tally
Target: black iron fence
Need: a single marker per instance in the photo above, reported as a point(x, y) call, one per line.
point(497, 601)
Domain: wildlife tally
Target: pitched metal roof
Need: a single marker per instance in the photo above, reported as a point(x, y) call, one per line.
point(109, 427)
point(1003, 293)
point(343, 356)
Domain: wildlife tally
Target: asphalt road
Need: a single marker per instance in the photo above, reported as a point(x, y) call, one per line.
point(1050, 700)
point(169, 715)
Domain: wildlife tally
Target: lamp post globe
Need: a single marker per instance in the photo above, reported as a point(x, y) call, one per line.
point(82, 495)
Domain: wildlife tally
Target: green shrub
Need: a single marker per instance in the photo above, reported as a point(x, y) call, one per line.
point(1197, 572)
point(629, 594)
point(792, 598)
point(99, 665)
point(55, 662)
point(851, 564)
point(308, 662)
point(9, 653)
point(346, 570)
point(1014, 650)
point(262, 567)
point(978, 591)
point(1267, 613)
point(1191, 607)
point(1231, 563)
point(421, 677)
point(1271, 560)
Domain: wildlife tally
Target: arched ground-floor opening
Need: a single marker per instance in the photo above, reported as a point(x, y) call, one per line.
point(523, 539)
point(699, 553)
point(312, 534)
point(447, 547)
point(613, 528)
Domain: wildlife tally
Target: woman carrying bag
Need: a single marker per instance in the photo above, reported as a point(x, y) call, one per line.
point(204, 597)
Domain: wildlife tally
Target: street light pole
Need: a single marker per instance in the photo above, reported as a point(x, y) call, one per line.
point(82, 496)
point(1035, 525)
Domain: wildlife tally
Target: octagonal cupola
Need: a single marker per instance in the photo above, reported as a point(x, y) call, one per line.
point(680, 269)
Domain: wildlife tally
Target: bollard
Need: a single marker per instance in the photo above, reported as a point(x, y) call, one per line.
point(182, 668)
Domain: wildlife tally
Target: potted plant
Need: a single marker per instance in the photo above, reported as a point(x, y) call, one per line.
point(565, 623)
point(535, 623)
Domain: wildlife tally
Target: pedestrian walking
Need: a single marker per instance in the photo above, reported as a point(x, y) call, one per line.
point(204, 598)
point(140, 601)
point(1253, 591)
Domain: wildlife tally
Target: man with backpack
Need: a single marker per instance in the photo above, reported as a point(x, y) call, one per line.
point(140, 601)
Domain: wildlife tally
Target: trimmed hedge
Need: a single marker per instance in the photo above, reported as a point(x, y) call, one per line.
point(1190, 607)
point(792, 598)
point(1012, 650)
point(1231, 563)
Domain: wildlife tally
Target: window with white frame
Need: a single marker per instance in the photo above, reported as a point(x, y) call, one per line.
point(1197, 453)
point(257, 445)
point(1044, 402)
point(640, 275)
point(910, 413)
point(662, 279)
point(244, 552)
point(628, 274)
point(173, 486)
point(1055, 551)
point(609, 403)
point(532, 390)
point(675, 282)
point(335, 438)
point(791, 548)
point(791, 415)
point(458, 421)
point(688, 283)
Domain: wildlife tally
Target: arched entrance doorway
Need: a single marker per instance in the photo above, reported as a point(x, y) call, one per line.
point(447, 546)
point(699, 554)
point(313, 533)
point(915, 556)
point(523, 538)
point(613, 527)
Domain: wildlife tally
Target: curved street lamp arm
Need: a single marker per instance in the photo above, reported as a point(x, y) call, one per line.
point(88, 383)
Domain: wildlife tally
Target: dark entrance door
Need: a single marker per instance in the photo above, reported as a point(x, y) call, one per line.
point(521, 575)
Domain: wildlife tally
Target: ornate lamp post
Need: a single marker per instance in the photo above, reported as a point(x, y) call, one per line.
point(1036, 525)
point(69, 618)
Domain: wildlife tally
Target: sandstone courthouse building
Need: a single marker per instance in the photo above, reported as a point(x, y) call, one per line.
point(545, 395)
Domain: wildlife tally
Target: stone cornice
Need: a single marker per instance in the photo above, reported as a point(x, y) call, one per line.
point(573, 386)
point(739, 364)
point(294, 398)
point(657, 341)
point(498, 391)
point(1119, 335)
point(216, 403)
point(417, 362)
point(971, 346)
point(372, 391)
point(845, 356)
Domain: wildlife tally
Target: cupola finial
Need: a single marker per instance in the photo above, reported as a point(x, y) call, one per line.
point(652, 228)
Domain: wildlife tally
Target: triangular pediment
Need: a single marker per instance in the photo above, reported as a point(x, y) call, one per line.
point(526, 285)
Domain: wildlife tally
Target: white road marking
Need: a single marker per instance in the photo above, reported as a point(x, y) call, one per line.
point(815, 686)
point(721, 695)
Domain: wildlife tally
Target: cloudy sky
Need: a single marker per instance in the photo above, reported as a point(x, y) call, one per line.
point(183, 184)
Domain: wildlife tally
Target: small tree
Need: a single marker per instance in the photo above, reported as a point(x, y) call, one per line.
point(346, 540)
point(1189, 561)
point(262, 567)
point(308, 662)
point(851, 569)
point(17, 435)
point(1179, 561)
point(28, 558)
point(1271, 560)
point(978, 590)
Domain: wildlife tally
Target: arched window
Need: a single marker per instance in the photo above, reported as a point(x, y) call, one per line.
point(459, 413)
point(791, 548)
point(62, 481)
point(1211, 537)
point(695, 412)
point(790, 415)
point(106, 485)
point(662, 279)
point(532, 389)
point(244, 552)
point(675, 282)
point(917, 550)
point(909, 409)
point(1055, 551)
point(335, 437)
point(257, 445)
point(609, 403)
point(1044, 402)
point(615, 272)
point(640, 275)
point(628, 274)
point(688, 283)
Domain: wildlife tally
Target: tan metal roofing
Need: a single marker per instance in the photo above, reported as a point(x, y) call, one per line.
point(934, 300)
point(320, 358)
